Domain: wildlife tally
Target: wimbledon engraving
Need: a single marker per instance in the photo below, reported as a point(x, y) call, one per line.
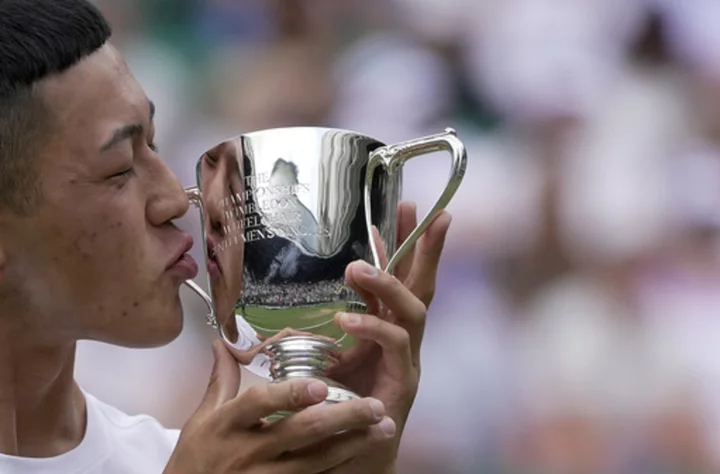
point(266, 210)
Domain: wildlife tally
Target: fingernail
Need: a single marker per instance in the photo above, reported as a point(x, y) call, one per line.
point(317, 390)
point(367, 269)
point(387, 426)
point(350, 319)
point(377, 408)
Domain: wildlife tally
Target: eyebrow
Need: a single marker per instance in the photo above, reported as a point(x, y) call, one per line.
point(128, 131)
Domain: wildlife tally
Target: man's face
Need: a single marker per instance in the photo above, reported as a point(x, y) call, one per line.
point(98, 257)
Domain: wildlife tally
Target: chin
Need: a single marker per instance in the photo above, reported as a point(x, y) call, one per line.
point(151, 329)
point(163, 336)
point(166, 329)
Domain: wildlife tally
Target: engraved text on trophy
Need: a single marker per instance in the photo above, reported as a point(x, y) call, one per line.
point(271, 207)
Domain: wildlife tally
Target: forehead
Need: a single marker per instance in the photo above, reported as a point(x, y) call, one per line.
point(94, 97)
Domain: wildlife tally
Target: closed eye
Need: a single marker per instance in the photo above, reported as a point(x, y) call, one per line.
point(127, 172)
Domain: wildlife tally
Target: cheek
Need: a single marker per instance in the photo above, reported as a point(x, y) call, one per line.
point(80, 267)
point(111, 248)
point(104, 262)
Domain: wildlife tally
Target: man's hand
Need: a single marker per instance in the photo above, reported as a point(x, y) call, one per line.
point(385, 364)
point(227, 433)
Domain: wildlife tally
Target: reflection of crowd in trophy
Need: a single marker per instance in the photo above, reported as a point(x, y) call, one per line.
point(295, 294)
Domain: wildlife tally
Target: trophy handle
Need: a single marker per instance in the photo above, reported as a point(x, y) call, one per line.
point(392, 158)
point(195, 197)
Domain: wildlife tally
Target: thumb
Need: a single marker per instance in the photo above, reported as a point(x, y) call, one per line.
point(224, 381)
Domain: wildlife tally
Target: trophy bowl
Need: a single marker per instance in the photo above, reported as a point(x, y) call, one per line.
point(284, 212)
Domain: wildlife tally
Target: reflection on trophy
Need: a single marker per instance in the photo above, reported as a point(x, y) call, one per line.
point(284, 212)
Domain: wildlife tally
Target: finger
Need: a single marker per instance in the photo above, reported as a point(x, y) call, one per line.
point(407, 222)
point(224, 381)
point(261, 401)
point(371, 302)
point(338, 450)
point(423, 275)
point(408, 311)
point(316, 424)
point(394, 340)
point(350, 359)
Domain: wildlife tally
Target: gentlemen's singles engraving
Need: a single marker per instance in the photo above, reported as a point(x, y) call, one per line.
point(269, 207)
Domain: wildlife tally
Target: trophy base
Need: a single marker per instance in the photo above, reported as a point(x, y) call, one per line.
point(306, 357)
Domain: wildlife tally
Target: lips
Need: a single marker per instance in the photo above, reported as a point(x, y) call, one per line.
point(182, 263)
point(213, 264)
point(181, 249)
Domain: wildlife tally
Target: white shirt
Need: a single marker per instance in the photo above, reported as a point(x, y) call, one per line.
point(114, 443)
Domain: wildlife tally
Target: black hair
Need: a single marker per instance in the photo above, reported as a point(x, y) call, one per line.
point(38, 39)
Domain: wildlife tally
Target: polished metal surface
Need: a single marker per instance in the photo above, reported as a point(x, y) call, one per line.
point(391, 159)
point(284, 212)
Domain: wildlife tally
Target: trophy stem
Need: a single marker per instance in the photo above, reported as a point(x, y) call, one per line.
point(307, 357)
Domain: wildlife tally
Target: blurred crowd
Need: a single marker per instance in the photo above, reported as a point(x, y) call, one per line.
point(576, 326)
point(293, 294)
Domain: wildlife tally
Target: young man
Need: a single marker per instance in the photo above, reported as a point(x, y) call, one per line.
point(88, 250)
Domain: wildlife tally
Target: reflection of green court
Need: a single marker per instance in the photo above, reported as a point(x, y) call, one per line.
point(316, 319)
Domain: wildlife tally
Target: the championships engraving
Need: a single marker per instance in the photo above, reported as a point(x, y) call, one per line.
point(268, 208)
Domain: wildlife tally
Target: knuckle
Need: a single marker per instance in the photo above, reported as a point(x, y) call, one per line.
point(423, 288)
point(257, 392)
point(419, 307)
point(259, 395)
point(295, 392)
point(402, 338)
point(361, 411)
point(315, 427)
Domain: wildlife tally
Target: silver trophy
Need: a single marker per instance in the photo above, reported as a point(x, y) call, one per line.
point(284, 212)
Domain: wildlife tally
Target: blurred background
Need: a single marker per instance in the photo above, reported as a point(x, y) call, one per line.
point(576, 328)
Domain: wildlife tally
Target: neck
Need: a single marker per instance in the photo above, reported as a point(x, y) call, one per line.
point(42, 411)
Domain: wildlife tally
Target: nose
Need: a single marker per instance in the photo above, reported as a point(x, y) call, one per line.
point(167, 199)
